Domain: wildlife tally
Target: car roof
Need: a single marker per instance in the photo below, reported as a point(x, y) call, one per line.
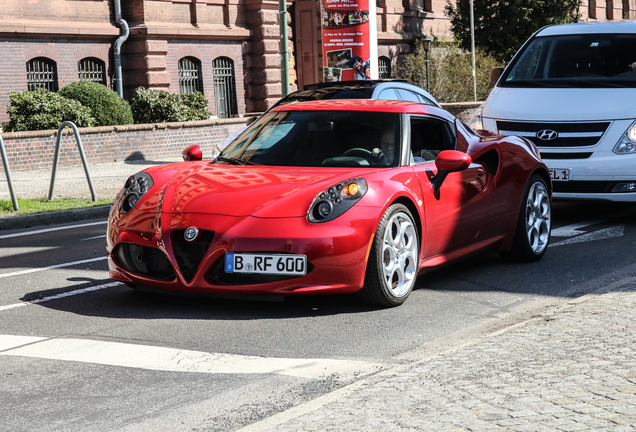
point(373, 89)
point(590, 27)
point(376, 105)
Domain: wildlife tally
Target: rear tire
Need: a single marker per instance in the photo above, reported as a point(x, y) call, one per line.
point(393, 260)
point(533, 227)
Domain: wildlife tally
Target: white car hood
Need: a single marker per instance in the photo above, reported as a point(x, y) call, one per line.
point(561, 104)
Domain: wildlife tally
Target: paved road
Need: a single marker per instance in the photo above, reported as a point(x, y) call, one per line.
point(80, 352)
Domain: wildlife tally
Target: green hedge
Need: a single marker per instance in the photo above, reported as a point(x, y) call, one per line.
point(41, 109)
point(158, 106)
point(107, 107)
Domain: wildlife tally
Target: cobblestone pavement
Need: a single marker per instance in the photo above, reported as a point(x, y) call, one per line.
point(573, 369)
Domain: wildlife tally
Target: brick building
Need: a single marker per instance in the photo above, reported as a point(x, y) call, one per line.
point(228, 49)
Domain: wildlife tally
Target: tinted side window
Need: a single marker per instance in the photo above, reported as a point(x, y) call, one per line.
point(429, 137)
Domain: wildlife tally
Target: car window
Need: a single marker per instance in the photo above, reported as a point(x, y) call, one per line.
point(408, 95)
point(389, 94)
point(319, 138)
point(575, 61)
point(429, 137)
point(425, 100)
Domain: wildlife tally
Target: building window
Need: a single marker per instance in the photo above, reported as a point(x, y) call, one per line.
point(190, 75)
point(92, 69)
point(425, 5)
point(384, 67)
point(224, 87)
point(609, 9)
point(41, 73)
point(591, 9)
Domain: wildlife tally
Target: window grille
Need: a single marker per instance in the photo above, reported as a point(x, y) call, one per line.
point(384, 67)
point(92, 69)
point(224, 87)
point(41, 73)
point(190, 75)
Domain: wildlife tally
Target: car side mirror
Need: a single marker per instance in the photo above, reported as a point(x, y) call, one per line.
point(192, 153)
point(495, 74)
point(447, 162)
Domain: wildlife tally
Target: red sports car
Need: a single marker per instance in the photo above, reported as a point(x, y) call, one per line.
point(331, 197)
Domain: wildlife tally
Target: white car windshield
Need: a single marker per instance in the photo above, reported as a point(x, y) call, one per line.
point(582, 60)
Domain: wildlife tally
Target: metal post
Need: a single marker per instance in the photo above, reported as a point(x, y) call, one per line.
point(57, 154)
point(472, 47)
point(5, 162)
point(427, 80)
point(284, 49)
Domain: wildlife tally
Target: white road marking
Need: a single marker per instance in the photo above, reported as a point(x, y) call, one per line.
point(41, 231)
point(178, 360)
point(61, 295)
point(93, 238)
point(603, 234)
point(7, 252)
point(33, 270)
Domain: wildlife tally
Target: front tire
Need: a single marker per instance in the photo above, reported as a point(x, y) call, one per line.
point(393, 261)
point(533, 227)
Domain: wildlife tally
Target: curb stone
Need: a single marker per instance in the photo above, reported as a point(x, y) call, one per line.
point(55, 217)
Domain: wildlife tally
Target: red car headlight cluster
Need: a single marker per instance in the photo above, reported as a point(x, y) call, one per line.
point(136, 186)
point(336, 200)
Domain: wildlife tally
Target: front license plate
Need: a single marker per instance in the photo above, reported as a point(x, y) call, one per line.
point(560, 174)
point(295, 265)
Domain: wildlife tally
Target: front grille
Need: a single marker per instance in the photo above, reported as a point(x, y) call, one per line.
point(218, 275)
point(583, 186)
point(545, 155)
point(570, 134)
point(148, 261)
point(189, 254)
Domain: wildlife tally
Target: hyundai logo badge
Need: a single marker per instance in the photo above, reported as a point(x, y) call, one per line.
point(191, 233)
point(547, 135)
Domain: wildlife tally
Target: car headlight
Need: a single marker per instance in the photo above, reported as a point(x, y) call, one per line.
point(627, 144)
point(136, 186)
point(476, 122)
point(336, 200)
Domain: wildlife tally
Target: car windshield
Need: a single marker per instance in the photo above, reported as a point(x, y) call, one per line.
point(318, 139)
point(579, 61)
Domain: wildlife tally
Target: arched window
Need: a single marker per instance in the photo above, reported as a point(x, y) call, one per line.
point(190, 75)
point(41, 73)
point(92, 69)
point(384, 67)
point(224, 87)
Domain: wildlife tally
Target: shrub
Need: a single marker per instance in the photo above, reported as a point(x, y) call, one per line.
point(107, 107)
point(41, 109)
point(450, 72)
point(158, 106)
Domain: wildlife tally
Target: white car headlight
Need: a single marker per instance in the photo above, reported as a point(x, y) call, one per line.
point(627, 144)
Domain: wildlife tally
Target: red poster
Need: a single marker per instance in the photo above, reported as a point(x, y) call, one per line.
point(349, 41)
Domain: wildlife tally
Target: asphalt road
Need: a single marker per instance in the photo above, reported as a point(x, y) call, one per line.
point(79, 351)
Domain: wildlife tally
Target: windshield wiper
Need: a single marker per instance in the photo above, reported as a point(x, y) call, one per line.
point(235, 161)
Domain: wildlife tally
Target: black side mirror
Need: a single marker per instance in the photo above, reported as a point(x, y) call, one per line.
point(495, 74)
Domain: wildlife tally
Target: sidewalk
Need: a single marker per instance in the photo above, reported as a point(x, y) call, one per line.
point(573, 369)
point(70, 182)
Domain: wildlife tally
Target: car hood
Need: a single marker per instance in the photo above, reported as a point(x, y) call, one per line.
point(240, 190)
point(560, 104)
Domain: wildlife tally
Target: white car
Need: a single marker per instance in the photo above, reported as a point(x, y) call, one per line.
point(571, 89)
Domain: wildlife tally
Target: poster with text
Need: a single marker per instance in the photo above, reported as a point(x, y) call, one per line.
point(349, 40)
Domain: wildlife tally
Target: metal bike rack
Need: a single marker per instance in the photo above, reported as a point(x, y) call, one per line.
point(5, 162)
point(57, 154)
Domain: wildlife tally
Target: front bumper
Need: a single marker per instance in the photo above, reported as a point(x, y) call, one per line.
point(336, 251)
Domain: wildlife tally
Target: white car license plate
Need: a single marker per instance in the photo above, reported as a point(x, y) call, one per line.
point(560, 174)
point(295, 265)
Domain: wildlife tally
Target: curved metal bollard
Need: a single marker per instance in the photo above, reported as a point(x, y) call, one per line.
point(5, 162)
point(57, 154)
